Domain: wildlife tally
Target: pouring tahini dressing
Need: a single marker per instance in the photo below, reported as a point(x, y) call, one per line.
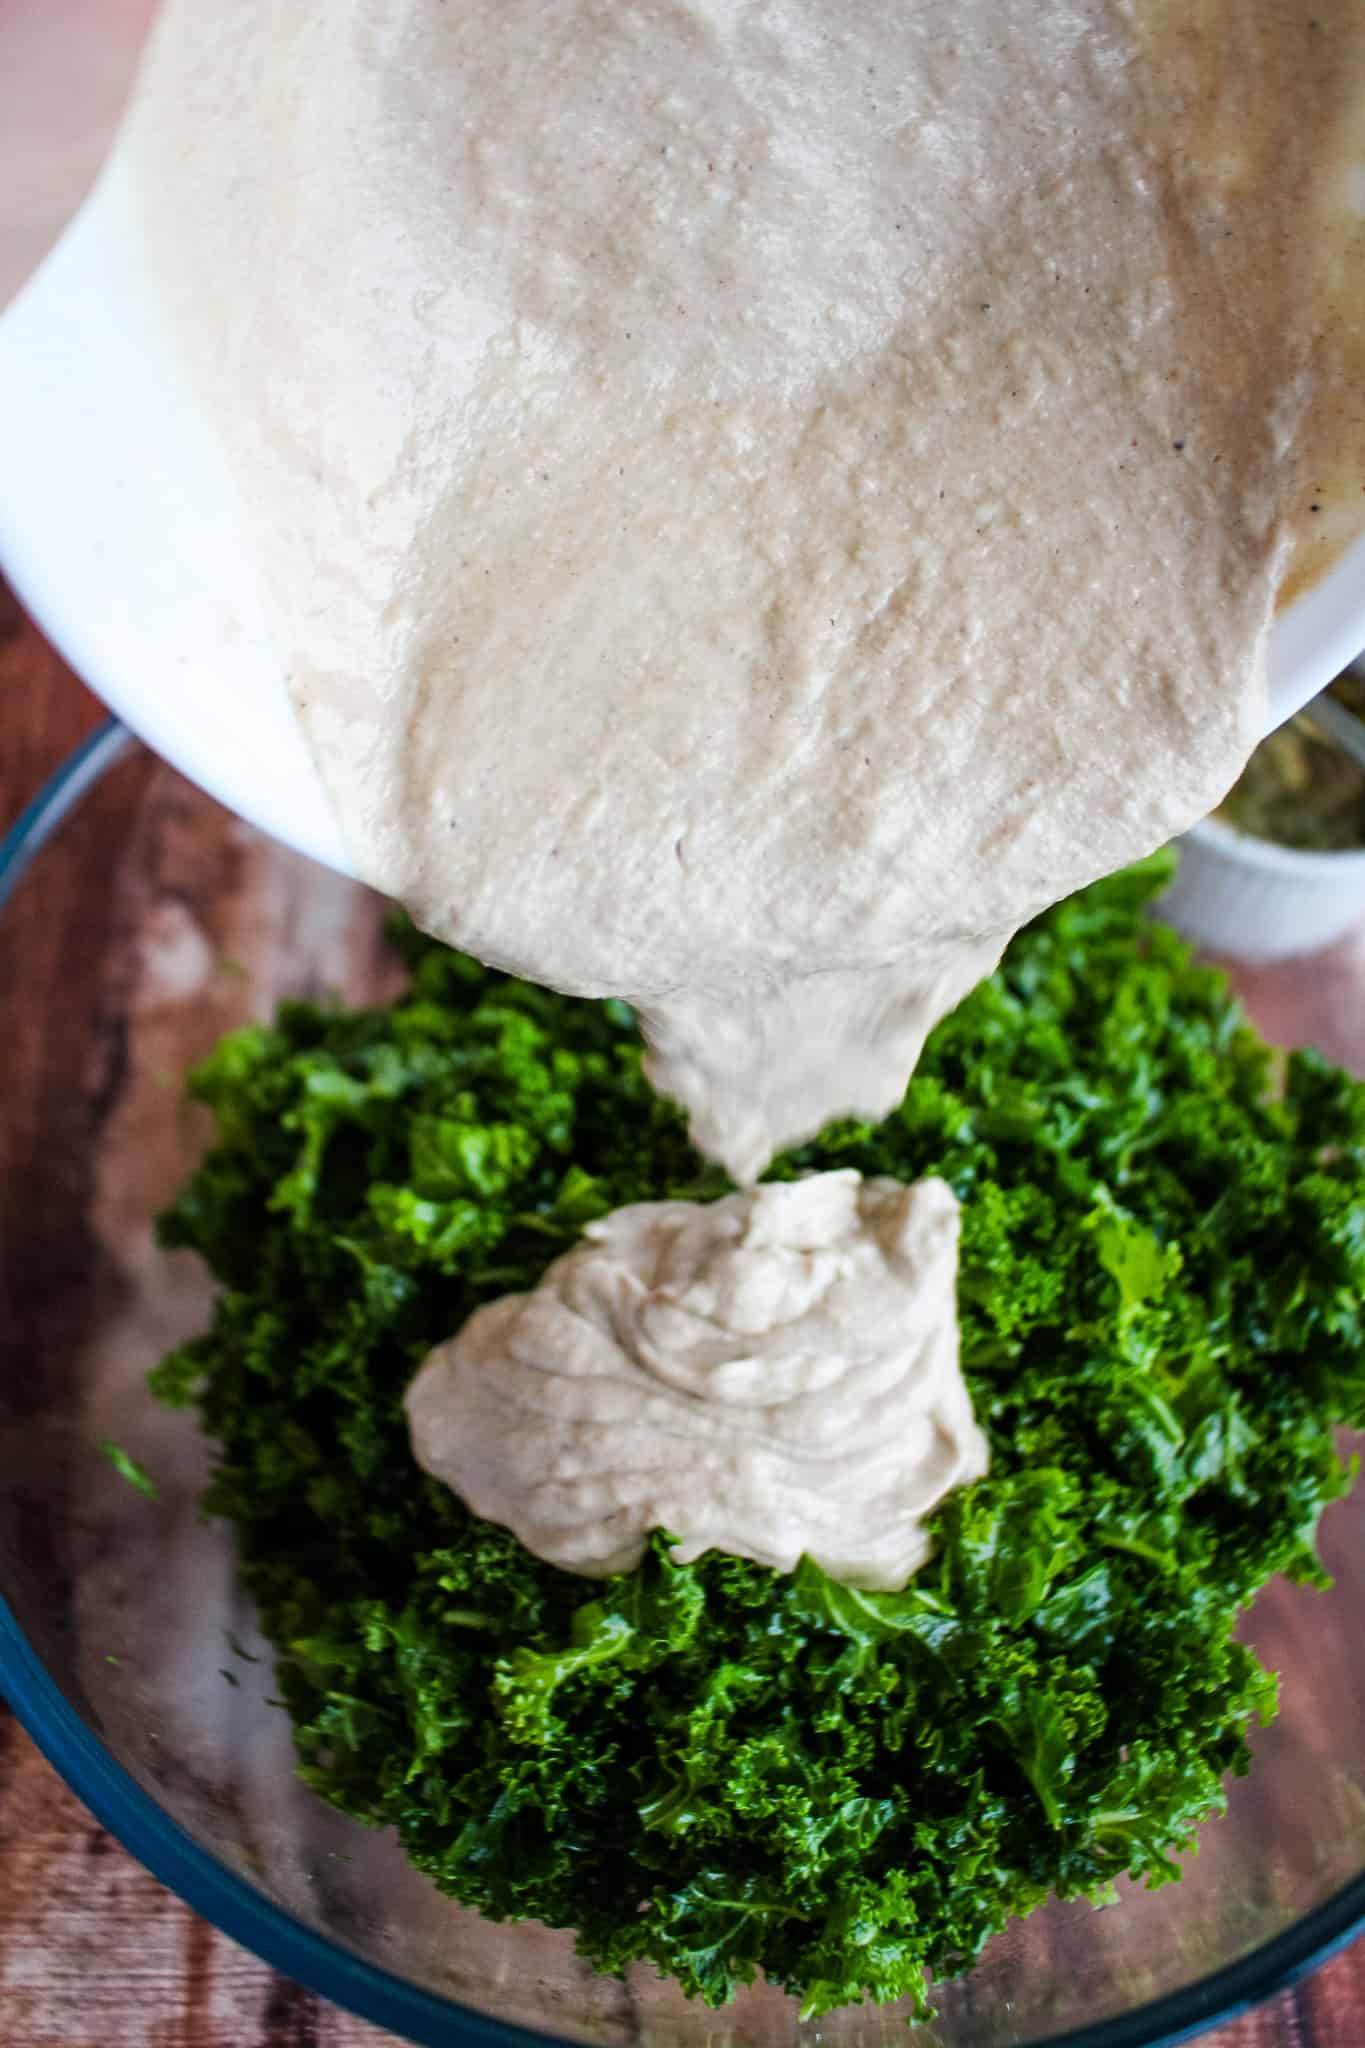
point(757, 500)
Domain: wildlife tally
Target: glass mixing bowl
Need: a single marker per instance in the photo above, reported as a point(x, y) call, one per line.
point(139, 922)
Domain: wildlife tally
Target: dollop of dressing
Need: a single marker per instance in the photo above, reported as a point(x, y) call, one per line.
point(772, 1374)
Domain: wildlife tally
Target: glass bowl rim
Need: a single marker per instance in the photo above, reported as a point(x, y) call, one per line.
point(244, 1913)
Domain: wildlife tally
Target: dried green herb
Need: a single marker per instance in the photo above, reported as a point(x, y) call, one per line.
point(1299, 789)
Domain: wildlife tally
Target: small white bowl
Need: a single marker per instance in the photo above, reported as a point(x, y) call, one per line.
point(1247, 899)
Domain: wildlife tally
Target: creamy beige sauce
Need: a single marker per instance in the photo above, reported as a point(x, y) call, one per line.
point(1229, 75)
point(1330, 511)
point(757, 501)
point(772, 1375)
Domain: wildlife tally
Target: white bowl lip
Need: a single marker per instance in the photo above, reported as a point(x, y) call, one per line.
point(121, 534)
point(1291, 863)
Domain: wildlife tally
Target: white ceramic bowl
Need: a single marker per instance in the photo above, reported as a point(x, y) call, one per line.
point(121, 532)
point(120, 529)
point(1247, 899)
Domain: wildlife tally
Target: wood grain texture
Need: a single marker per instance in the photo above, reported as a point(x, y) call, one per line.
point(93, 1951)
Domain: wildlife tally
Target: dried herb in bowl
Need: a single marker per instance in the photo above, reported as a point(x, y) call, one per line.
point(714, 1767)
point(1301, 790)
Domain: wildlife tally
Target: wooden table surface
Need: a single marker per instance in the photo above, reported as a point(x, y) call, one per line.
point(94, 1953)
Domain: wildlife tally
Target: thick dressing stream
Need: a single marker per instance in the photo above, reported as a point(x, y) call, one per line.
point(757, 500)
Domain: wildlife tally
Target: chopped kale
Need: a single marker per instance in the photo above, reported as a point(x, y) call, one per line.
point(714, 1767)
